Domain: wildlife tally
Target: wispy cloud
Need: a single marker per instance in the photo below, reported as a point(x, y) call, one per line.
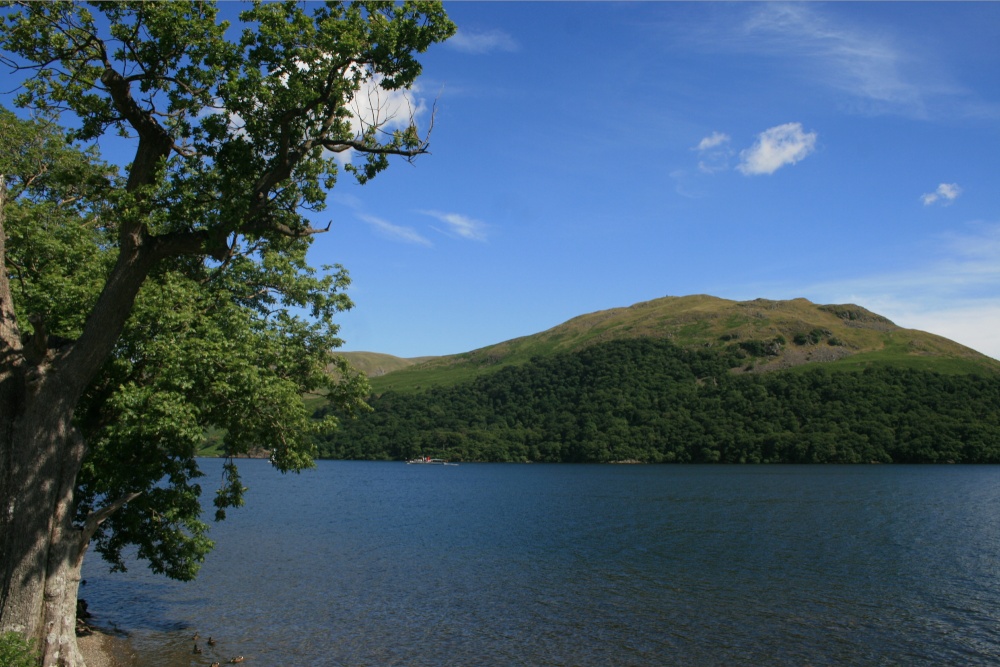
point(714, 153)
point(869, 65)
point(967, 265)
point(945, 193)
point(972, 324)
point(954, 295)
point(714, 140)
point(775, 148)
point(395, 232)
point(460, 225)
point(482, 42)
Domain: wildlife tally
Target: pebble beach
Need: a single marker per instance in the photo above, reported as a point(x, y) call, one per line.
point(100, 649)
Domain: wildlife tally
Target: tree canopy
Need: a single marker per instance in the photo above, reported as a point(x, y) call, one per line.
point(145, 305)
point(649, 400)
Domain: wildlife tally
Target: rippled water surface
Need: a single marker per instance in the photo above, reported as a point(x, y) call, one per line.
point(361, 563)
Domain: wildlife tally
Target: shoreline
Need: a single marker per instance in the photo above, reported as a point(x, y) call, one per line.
point(101, 648)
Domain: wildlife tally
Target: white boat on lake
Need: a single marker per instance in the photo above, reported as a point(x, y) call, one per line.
point(426, 460)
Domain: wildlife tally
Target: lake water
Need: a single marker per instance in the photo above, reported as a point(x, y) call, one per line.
point(363, 563)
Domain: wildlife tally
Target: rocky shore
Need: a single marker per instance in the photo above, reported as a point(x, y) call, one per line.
point(101, 649)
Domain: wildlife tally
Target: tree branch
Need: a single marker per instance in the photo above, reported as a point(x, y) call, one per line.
point(10, 334)
point(95, 519)
point(155, 142)
point(341, 145)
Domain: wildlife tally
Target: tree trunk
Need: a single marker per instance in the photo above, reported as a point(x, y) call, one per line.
point(62, 584)
point(42, 551)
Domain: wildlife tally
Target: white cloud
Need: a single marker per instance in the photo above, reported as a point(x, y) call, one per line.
point(461, 225)
point(714, 140)
point(482, 42)
point(395, 232)
point(389, 110)
point(776, 147)
point(946, 193)
point(872, 64)
point(685, 185)
point(714, 153)
point(370, 106)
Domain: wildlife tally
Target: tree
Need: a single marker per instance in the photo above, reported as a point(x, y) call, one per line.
point(141, 306)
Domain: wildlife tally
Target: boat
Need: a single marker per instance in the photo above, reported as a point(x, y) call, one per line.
point(426, 460)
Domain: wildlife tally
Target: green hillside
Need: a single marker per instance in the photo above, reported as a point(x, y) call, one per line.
point(648, 400)
point(691, 380)
point(374, 364)
point(768, 335)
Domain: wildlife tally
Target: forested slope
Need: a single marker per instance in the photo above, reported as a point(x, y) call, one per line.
point(646, 399)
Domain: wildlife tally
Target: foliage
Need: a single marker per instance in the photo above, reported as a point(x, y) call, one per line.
point(205, 347)
point(57, 241)
point(15, 651)
point(193, 357)
point(236, 139)
point(649, 400)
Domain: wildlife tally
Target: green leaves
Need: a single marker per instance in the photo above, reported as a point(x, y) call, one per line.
point(252, 127)
point(56, 226)
point(230, 494)
point(15, 651)
point(208, 349)
point(236, 134)
point(174, 52)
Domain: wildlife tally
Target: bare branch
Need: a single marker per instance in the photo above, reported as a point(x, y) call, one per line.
point(264, 224)
point(341, 145)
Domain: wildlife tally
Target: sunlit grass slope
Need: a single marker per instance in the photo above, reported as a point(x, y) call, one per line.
point(374, 364)
point(770, 335)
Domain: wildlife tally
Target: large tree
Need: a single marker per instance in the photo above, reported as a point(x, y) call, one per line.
point(143, 305)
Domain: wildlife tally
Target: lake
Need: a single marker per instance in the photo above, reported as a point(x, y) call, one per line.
point(372, 563)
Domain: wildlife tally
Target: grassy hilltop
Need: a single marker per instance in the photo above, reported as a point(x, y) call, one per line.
point(771, 335)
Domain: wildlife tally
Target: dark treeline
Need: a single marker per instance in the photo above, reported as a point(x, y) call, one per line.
point(648, 400)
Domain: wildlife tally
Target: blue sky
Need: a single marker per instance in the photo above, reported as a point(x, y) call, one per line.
point(593, 155)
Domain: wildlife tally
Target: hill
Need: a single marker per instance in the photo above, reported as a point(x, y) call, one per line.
point(374, 364)
point(768, 335)
point(648, 400)
point(692, 380)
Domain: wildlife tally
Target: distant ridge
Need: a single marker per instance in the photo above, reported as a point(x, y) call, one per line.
point(771, 336)
point(375, 364)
